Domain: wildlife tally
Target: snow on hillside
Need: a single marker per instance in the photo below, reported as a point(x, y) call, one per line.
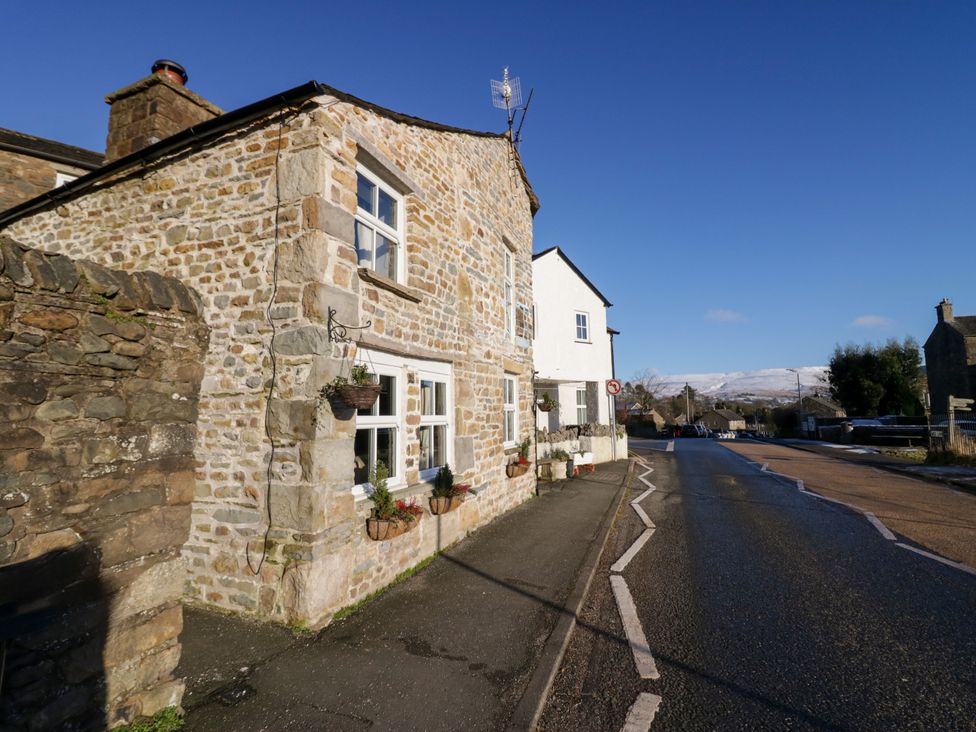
point(775, 384)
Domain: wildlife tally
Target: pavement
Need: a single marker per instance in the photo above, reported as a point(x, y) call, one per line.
point(956, 475)
point(766, 609)
point(470, 642)
point(929, 514)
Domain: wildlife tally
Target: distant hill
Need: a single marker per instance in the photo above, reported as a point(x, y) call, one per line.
point(766, 384)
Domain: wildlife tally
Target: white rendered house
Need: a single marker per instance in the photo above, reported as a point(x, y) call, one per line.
point(572, 345)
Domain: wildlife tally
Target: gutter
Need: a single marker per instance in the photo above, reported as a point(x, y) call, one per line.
point(53, 157)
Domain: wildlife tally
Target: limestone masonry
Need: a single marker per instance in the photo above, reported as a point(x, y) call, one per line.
point(277, 194)
point(99, 376)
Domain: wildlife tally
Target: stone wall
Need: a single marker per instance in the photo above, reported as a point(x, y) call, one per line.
point(595, 438)
point(99, 377)
point(23, 177)
point(283, 191)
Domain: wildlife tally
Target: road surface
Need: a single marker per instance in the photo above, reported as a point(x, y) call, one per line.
point(767, 609)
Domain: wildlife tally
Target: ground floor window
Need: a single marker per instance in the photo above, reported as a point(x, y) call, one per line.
point(382, 433)
point(510, 410)
point(581, 406)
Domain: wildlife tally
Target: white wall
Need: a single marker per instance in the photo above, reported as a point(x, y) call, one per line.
point(559, 293)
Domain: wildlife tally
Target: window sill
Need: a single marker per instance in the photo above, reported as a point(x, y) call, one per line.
point(385, 283)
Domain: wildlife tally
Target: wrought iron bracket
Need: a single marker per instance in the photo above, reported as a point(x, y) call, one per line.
point(339, 333)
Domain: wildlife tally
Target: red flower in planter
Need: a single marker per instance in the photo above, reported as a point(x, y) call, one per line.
point(460, 489)
point(409, 511)
point(523, 460)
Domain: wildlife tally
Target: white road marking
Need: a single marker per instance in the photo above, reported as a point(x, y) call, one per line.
point(765, 467)
point(936, 557)
point(621, 564)
point(646, 668)
point(800, 486)
point(643, 516)
point(641, 713)
point(882, 529)
point(670, 447)
point(645, 494)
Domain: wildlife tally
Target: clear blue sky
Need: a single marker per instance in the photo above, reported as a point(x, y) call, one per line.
point(750, 183)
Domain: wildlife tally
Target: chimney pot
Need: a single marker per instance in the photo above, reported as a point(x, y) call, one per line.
point(944, 311)
point(171, 70)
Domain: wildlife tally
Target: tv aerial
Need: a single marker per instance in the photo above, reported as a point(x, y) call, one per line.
point(507, 94)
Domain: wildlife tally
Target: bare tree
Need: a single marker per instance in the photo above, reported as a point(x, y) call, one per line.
point(647, 386)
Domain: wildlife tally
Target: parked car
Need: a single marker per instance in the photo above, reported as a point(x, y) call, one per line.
point(967, 426)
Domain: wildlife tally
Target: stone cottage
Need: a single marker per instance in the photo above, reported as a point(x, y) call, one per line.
point(31, 166)
point(320, 231)
point(950, 357)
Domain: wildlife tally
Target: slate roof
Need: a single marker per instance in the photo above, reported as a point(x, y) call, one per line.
point(59, 152)
point(202, 134)
point(965, 324)
point(729, 414)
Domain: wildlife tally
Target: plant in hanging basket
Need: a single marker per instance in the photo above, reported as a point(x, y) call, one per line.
point(523, 452)
point(360, 391)
point(388, 518)
point(446, 495)
point(547, 403)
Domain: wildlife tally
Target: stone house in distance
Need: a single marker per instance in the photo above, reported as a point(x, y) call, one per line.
point(723, 419)
point(31, 166)
point(320, 231)
point(950, 357)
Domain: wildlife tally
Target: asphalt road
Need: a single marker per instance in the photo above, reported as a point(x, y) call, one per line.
point(769, 610)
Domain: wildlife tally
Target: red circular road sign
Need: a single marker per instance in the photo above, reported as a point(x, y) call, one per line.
point(613, 387)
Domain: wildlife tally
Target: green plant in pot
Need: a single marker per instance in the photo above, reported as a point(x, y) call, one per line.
point(446, 495)
point(560, 463)
point(547, 403)
point(521, 464)
point(359, 391)
point(389, 517)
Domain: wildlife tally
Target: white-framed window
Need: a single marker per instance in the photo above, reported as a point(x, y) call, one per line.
point(379, 226)
point(581, 405)
point(379, 430)
point(61, 178)
point(509, 293)
point(434, 432)
point(582, 327)
point(510, 410)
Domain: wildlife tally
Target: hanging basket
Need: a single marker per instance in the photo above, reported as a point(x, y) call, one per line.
point(444, 504)
point(513, 470)
point(383, 529)
point(359, 396)
point(545, 406)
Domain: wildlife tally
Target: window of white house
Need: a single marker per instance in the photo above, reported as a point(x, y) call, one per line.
point(379, 226)
point(581, 406)
point(509, 264)
point(510, 410)
point(378, 429)
point(435, 428)
point(582, 327)
point(61, 178)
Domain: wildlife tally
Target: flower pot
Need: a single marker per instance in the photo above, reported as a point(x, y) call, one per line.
point(444, 504)
point(359, 396)
point(382, 529)
point(513, 470)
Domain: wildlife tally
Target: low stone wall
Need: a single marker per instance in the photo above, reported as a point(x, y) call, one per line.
point(99, 380)
point(595, 438)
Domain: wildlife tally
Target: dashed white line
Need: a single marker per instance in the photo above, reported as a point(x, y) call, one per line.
point(936, 557)
point(642, 713)
point(670, 447)
point(882, 529)
point(621, 564)
point(643, 660)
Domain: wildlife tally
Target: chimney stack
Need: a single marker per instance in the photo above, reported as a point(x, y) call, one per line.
point(944, 311)
point(153, 109)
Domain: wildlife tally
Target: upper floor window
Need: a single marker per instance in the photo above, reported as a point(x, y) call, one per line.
point(509, 293)
point(582, 327)
point(379, 226)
